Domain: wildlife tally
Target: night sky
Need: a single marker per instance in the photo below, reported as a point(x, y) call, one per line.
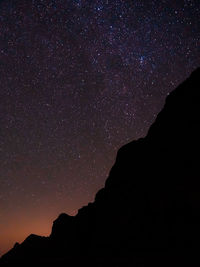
point(78, 79)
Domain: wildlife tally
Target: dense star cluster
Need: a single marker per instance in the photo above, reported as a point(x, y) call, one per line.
point(78, 79)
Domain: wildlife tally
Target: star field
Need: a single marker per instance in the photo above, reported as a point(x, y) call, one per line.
point(78, 79)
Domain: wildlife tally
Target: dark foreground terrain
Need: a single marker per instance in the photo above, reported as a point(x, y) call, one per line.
point(148, 213)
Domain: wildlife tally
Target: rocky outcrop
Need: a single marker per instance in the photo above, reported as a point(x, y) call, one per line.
point(148, 211)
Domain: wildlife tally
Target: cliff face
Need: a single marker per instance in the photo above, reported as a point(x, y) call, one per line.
point(149, 205)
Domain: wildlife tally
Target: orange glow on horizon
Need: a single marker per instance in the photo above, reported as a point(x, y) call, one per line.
point(19, 231)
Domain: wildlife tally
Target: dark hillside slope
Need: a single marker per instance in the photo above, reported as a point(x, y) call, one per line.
point(149, 210)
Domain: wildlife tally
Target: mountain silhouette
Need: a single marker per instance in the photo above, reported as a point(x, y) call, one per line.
point(149, 210)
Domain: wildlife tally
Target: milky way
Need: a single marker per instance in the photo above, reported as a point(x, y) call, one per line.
point(78, 79)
